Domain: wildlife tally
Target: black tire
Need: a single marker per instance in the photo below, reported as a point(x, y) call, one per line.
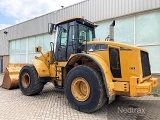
point(29, 82)
point(97, 97)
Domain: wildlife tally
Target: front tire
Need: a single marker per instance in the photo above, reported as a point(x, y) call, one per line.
point(29, 82)
point(84, 89)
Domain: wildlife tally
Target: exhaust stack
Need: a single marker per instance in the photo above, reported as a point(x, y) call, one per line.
point(112, 31)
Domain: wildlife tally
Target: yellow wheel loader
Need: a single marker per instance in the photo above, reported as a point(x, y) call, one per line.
point(90, 72)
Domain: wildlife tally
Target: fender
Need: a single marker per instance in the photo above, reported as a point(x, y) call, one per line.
point(105, 70)
point(41, 67)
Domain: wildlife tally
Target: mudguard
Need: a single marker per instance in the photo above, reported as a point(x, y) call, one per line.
point(41, 67)
point(106, 73)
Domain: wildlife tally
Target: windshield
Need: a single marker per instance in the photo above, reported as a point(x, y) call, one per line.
point(85, 33)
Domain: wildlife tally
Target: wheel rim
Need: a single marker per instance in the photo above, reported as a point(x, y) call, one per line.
point(80, 89)
point(26, 80)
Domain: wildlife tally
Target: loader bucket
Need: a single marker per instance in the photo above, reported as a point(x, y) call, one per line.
point(10, 79)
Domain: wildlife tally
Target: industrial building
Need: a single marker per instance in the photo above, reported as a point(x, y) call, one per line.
point(137, 23)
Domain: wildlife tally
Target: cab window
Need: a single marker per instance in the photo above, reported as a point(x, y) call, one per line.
point(85, 33)
point(63, 35)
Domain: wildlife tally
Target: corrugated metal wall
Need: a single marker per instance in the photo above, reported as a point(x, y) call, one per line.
point(3, 44)
point(94, 10)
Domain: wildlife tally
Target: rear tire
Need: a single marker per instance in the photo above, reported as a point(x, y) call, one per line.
point(84, 89)
point(29, 82)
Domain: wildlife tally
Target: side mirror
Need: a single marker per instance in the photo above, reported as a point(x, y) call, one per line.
point(51, 27)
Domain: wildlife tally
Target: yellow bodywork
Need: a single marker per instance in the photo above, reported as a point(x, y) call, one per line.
point(41, 67)
point(131, 82)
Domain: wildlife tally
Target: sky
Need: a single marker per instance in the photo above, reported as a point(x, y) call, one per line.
point(16, 11)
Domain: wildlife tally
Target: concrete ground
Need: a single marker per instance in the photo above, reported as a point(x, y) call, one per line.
point(51, 104)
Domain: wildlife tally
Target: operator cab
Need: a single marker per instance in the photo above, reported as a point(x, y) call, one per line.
point(70, 36)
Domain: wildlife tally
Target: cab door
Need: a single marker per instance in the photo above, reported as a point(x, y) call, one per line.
point(66, 41)
point(61, 42)
point(72, 41)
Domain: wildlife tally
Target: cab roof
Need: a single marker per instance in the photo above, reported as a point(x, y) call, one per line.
point(79, 20)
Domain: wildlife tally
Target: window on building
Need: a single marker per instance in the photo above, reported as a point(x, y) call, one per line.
point(31, 44)
point(147, 28)
point(154, 57)
point(17, 51)
point(123, 30)
point(46, 42)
